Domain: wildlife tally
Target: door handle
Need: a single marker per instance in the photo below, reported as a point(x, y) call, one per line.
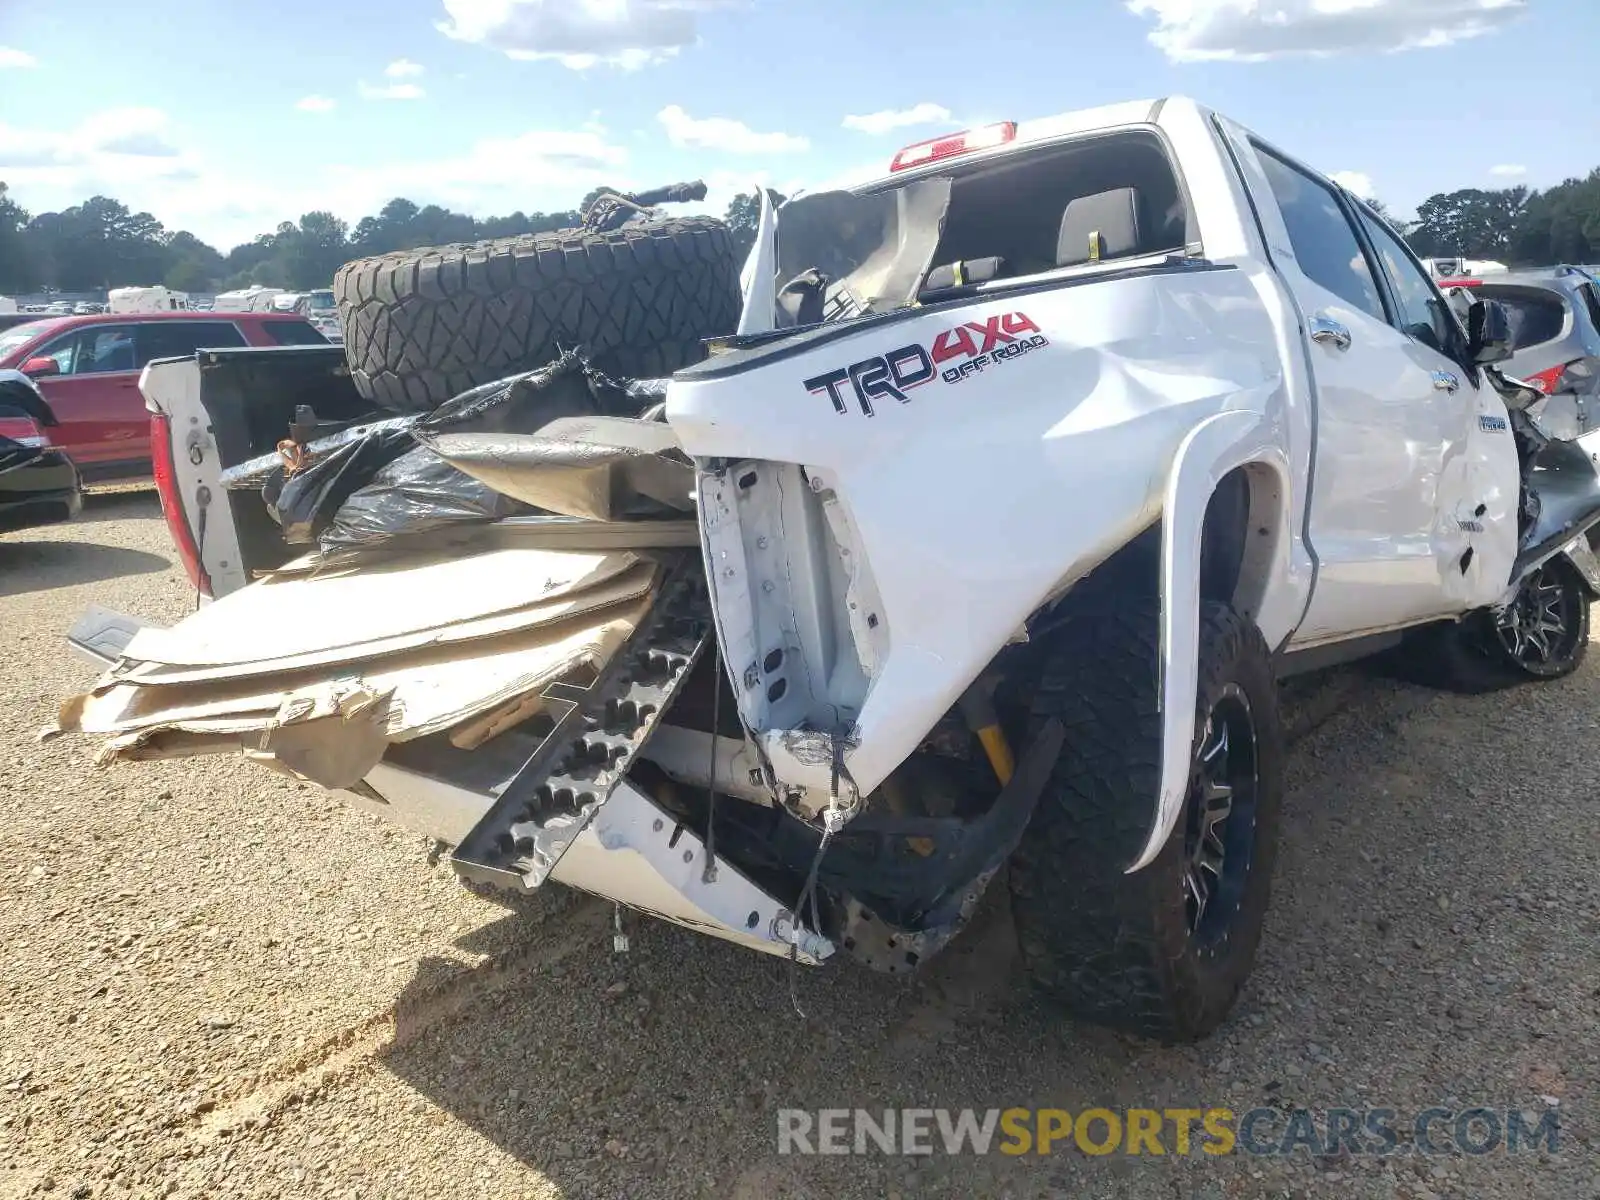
point(1329, 332)
point(1446, 381)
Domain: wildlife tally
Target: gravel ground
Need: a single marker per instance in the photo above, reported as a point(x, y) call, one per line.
point(217, 983)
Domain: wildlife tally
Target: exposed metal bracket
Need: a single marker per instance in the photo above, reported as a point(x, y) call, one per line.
point(598, 732)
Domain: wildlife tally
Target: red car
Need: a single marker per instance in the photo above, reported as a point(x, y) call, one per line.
point(88, 369)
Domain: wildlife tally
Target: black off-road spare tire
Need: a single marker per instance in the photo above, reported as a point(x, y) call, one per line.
point(423, 325)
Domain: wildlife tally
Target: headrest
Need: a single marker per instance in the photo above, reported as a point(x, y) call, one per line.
point(960, 274)
point(1104, 225)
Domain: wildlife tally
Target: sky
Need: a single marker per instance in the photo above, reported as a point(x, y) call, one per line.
point(226, 118)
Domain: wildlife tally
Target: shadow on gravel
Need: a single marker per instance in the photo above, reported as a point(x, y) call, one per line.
point(661, 1071)
point(40, 566)
point(127, 502)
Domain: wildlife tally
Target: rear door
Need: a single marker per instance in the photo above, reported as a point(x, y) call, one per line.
point(1387, 449)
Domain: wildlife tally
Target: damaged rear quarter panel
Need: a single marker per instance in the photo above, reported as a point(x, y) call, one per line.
point(977, 491)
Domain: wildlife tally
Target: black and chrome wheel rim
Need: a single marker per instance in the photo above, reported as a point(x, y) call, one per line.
point(1219, 837)
point(1539, 629)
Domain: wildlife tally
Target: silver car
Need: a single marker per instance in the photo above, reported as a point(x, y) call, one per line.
point(1555, 327)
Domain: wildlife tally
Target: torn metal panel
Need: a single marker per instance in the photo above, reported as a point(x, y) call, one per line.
point(635, 853)
point(601, 468)
point(276, 619)
point(877, 247)
point(686, 756)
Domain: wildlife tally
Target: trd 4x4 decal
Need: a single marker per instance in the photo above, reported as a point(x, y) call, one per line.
point(955, 354)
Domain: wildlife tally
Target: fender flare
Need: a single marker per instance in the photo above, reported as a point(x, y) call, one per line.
point(1218, 445)
point(1582, 557)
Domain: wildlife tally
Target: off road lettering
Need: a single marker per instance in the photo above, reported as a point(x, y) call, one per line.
point(968, 348)
point(995, 357)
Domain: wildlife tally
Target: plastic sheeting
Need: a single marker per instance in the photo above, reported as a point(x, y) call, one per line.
point(305, 502)
point(365, 491)
point(417, 492)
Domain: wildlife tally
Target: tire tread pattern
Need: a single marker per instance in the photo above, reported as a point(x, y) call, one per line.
point(1111, 947)
point(423, 325)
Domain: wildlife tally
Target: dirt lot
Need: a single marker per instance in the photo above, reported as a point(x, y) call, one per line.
point(216, 983)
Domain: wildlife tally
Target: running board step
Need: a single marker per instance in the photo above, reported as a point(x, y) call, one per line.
point(598, 732)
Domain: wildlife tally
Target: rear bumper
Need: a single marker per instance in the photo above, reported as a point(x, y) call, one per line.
point(631, 850)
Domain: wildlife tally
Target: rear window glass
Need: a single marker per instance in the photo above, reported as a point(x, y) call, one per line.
point(1535, 317)
point(293, 333)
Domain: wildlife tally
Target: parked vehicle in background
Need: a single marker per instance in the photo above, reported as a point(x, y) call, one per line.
point(61, 308)
point(320, 308)
point(7, 305)
point(1450, 268)
point(88, 370)
point(1555, 332)
point(250, 299)
point(144, 300)
point(39, 484)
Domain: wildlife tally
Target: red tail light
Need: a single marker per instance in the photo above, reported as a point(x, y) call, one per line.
point(172, 502)
point(1548, 381)
point(1450, 283)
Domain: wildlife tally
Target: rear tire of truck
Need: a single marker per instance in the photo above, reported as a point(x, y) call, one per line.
point(421, 326)
point(1162, 952)
point(1542, 635)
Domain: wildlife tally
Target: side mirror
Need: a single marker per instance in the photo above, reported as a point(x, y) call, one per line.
point(38, 368)
point(1488, 332)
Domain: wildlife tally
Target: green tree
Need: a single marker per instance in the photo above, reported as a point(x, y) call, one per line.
point(1470, 223)
point(18, 270)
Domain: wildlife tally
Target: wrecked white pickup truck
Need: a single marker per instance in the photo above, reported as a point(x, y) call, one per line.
point(1031, 470)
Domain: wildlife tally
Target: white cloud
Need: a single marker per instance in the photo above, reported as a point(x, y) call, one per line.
point(117, 133)
point(403, 68)
point(1358, 182)
point(1508, 171)
point(724, 133)
point(579, 33)
point(315, 104)
point(393, 91)
point(898, 118)
point(1255, 30)
point(538, 170)
point(10, 57)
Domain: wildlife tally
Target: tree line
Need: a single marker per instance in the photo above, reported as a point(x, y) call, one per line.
point(100, 244)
